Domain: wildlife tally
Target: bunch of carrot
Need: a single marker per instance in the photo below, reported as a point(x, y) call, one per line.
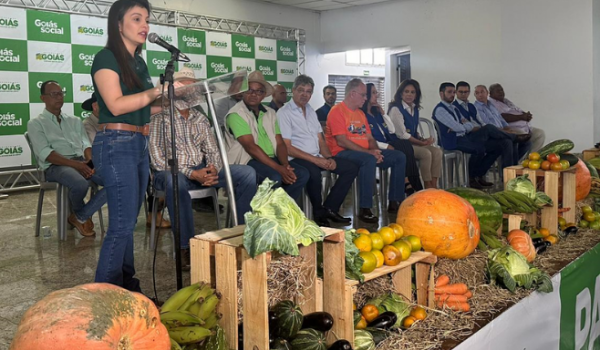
point(454, 296)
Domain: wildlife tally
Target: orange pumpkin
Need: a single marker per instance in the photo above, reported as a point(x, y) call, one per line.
point(584, 181)
point(522, 243)
point(95, 316)
point(446, 223)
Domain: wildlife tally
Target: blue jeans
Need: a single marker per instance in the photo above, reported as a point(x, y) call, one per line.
point(78, 188)
point(366, 174)
point(484, 149)
point(294, 190)
point(244, 183)
point(121, 159)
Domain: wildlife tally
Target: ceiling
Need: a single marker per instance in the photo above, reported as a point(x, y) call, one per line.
point(323, 5)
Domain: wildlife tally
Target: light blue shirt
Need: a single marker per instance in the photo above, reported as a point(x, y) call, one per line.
point(69, 138)
point(453, 121)
point(302, 131)
point(490, 115)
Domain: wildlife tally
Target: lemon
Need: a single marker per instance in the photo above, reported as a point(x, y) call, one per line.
point(376, 241)
point(379, 256)
point(415, 243)
point(404, 248)
point(370, 262)
point(363, 243)
point(363, 231)
point(398, 230)
point(388, 235)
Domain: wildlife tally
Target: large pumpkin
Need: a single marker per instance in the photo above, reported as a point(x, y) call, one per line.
point(584, 181)
point(95, 316)
point(446, 224)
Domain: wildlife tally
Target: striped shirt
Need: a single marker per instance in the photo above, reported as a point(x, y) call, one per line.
point(195, 142)
point(490, 115)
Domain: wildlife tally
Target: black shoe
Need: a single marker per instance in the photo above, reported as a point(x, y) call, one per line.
point(185, 260)
point(365, 215)
point(484, 183)
point(336, 217)
point(408, 189)
point(393, 207)
point(473, 183)
point(322, 221)
point(206, 206)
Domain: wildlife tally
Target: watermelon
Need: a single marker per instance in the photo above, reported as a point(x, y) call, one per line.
point(592, 169)
point(558, 147)
point(363, 340)
point(289, 319)
point(309, 339)
point(280, 344)
point(488, 210)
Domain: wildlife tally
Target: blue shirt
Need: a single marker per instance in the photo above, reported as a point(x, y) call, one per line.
point(490, 115)
point(302, 131)
point(323, 112)
point(453, 121)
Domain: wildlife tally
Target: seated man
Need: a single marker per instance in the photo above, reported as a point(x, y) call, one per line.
point(517, 119)
point(304, 140)
point(278, 98)
point(200, 164)
point(458, 133)
point(63, 149)
point(468, 111)
point(488, 114)
point(349, 137)
point(91, 123)
point(253, 137)
point(329, 95)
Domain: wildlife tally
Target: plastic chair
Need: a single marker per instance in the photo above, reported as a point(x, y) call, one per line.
point(62, 200)
point(454, 158)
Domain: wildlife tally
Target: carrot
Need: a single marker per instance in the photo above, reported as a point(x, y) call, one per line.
point(451, 298)
point(468, 294)
point(442, 281)
point(456, 306)
point(563, 210)
point(456, 288)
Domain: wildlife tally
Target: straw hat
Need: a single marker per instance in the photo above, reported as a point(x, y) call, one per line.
point(185, 73)
point(257, 77)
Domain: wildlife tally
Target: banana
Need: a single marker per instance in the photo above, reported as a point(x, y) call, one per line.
point(208, 306)
point(173, 319)
point(212, 320)
point(174, 345)
point(523, 198)
point(189, 335)
point(519, 205)
point(177, 299)
point(500, 199)
point(195, 307)
point(194, 297)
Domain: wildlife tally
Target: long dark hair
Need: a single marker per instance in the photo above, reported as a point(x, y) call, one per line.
point(398, 95)
point(365, 105)
point(115, 42)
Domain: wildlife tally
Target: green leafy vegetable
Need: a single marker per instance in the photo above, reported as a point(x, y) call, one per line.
point(276, 223)
point(394, 303)
point(509, 268)
point(523, 185)
point(542, 200)
point(353, 261)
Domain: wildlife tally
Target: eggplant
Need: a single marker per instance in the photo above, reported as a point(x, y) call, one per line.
point(384, 321)
point(571, 230)
point(536, 240)
point(320, 321)
point(341, 344)
point(540, 247)
point(241, 336)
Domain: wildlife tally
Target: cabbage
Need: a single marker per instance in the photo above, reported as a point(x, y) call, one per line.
point(276, 223)
point(508, 267)
point(542, 200)
point(522, 185)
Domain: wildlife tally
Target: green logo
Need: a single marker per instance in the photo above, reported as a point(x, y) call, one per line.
point(286, 50)
point(192, 41)
point(65, 80)
point(10, 87)
point(268, 69)
point(86, 88)
point(80, 112)
point(288, 88)
point(157, 62)
point(50, 57)
point(48, 26)
point(82, 58)
point(238, 67)
point(243, 46)
point(9, 22)
point(217, 66)
point(287, 71)
point(13, 118)
point(11, 151)
point(218, 44)
point(93, 31)
point(194, 66)
point(13, 55)
point(265, 49)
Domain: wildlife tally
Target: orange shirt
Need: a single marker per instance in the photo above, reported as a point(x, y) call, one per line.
point(344, 121)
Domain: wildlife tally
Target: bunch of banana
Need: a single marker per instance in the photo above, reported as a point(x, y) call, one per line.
point(190, 314)
point(595, 186)
point(514, 202)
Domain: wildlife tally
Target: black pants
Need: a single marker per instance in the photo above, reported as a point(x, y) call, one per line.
point(412, 169)
point(346, 171)
point(485, 146)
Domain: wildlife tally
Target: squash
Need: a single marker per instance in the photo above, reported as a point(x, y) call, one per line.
point(309, 339)
point(521, 242)
point(593, 171)
point(489, 211)
point(446, 223)
point(583, 179)
point(363, 340)
point(289, 319)
point(95, 316)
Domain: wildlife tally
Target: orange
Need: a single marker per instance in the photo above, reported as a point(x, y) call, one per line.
point(415, 243)
point(388, 234)
point(553, 239)
point(398, 230)
point(379, 256)
point(404, 248)
point(362, 324)
point(544, 232)
point(419, 313)
point(408, 321)
point(363, 243)
point(370, 312)
point(363, 231)
point(546, 165)
point(391, 255)
point(369, 263)
point(525, 163)
point(556, 167)
point(376, 241)
point(534, 164)
point(534, 156)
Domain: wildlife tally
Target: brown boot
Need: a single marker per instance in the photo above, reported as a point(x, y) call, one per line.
point(160, 221)
point(81, 227)
point(89, 225)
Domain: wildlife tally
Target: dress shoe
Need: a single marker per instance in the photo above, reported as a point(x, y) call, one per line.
point(522, 138)
point(393, 207)
point(160, 221)
point(185, 259)
point(322, 221)
point(80, 226)
point(365, 215)
point(336, 217)
point(484, 183)
point(89, 225)
point(473, 183)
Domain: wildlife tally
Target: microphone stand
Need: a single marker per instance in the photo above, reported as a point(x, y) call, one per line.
point(168, 78)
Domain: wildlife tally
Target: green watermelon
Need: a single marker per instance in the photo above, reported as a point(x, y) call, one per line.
point(363, 340)
point(592, 169)
point(309, 339)
point(488, 210)
point(289, 319)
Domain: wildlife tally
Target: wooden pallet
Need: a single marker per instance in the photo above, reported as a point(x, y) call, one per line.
point(514, 221)
point(551, 181)
point(591, 153)
point(226, 247)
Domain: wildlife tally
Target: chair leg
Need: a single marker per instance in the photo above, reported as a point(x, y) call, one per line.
point(466, 169)
point(355, 203)
point(153, 225)
point(101, 220)
point(62, 215)
point(38, 218)
point(306, 205)
point(216, 206)
point(146, 205)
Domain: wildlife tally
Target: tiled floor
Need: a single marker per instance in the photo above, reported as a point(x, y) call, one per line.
point(31, 267)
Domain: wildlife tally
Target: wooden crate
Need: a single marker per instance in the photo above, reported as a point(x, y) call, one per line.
point(591, 153)
point(551, 181)
point(227, 248)
point(514, 221)
point(338, 293)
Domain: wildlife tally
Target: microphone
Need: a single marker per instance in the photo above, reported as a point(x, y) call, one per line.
point(155, 39)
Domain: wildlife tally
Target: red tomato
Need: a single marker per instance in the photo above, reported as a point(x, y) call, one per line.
point(553, 158)
point(546, 165)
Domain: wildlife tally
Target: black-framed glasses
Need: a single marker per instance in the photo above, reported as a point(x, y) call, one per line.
point(56, 94)
point(256, 92)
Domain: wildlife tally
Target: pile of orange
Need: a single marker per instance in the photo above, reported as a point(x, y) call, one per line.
point(552, 162)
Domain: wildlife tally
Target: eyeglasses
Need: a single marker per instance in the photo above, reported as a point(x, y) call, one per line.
point(255, 92)
point(361, 95)
point(55, 94)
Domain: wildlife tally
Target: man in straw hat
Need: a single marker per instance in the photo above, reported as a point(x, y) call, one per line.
point(91, 122)
point(200, 163)
point(253, 137)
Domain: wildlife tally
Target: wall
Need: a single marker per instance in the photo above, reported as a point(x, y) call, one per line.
point(540, 50)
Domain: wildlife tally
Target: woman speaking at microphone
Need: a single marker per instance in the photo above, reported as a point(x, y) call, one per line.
point(120, 150)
